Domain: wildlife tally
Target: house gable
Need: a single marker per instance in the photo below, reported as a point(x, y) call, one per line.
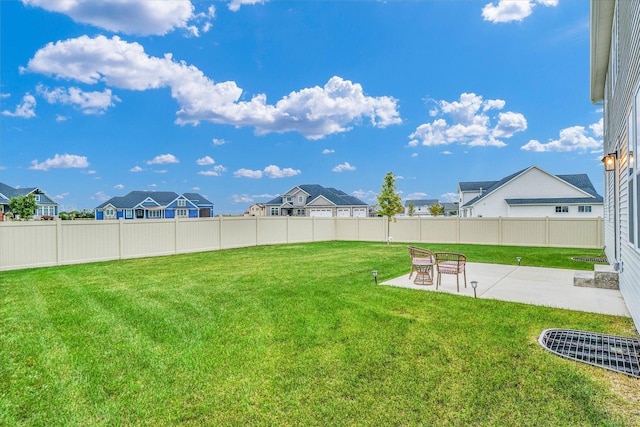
point(321, 201)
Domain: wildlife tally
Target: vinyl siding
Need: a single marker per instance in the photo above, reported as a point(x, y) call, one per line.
point(618, 104)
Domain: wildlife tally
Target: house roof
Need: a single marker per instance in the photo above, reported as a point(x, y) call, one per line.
point(335, 196)
point(163, 198)
point(10, 192)
point(555, 201)
point(601, 23)
point(580, 181)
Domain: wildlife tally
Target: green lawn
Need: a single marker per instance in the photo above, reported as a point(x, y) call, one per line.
point(291, 335)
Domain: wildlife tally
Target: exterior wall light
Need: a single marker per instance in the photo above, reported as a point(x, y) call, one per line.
point(609, 162)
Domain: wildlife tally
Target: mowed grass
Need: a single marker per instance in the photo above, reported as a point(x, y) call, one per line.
point(291, 335)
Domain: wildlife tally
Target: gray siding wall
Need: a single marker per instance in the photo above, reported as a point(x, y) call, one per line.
point(619, 93)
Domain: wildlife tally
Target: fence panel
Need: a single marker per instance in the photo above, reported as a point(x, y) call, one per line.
point(45, 243)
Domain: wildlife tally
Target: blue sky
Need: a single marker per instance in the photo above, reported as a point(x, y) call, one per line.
point(241, 100)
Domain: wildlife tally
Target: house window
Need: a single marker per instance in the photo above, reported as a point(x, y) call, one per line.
point(109, 212)
point(274, 211)
point(182, 213)
point(182, 202)
point(154, 214)
point(128, 214)
point(300, 199)
point(562, 209)
point(584, 209)
point(300, 212)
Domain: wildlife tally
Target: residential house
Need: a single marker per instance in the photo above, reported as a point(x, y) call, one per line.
point(315, 200)
point(257, 209)
point(531, 192)
point(155, 205)
point(423, 207)
point(615, 84)
point(47, 206)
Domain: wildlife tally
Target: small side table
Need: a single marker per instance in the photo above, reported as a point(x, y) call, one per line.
point(424, 274)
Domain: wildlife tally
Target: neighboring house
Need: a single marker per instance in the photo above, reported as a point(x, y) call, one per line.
point(257, 209)
point(423, 207)
point(315, 200)
point(155, 205)
point(531, 192)
point(615, 84)
point(47, 207)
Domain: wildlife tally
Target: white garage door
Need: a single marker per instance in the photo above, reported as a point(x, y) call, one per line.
point(320, 212)
point(360, 212)
point(342, 212)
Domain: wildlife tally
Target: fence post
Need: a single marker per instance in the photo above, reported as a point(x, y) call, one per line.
point(120, 237)
point(546, 231)
point(500, 238)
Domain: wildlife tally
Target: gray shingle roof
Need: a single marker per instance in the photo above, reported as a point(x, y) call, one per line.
point(555, 201)
point(163, 198)
point(338, 197)
point(420, 203)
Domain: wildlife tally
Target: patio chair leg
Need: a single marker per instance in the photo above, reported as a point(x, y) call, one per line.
point(465, 277)
point(458, 282)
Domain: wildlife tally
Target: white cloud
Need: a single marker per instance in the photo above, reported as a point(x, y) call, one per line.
point(118, 186)
point(512, 10)
point(467, 122)
point(449, 197)
point(215, 171)
point(204, 161)
point(417, 196)
point(573, 138)
point(365, 196)
point(160, 171)
point(264, 196)
point(328, 151)
point(218, 142)
point(241, 198)
point(247, 173)
point(26, 109)
point(598, 128)
point(141, 17)
point(88, 102)
point(61, 161)
point(273, 171)
point(196, 188)
point(344, 167)
point(136, 169)
point(446, 152)
point(414, 154)
point(100, 196)
point(234, 5)
point(61, 118)
point(163, 159)
point(314, 112)
point(61, 196)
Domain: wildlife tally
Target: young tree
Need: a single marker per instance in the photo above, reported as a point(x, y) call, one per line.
point(24, 206)
point(389, 200)
point(436, 209)
point(411, 209)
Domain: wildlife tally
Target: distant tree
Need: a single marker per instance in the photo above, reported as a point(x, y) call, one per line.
point(411, 209)
point(389, 200)
point(436, 209)
point(24, 206)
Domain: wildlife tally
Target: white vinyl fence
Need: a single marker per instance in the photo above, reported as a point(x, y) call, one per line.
point(48, 243)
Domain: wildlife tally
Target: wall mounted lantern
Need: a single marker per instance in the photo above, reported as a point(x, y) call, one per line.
point(609, 162)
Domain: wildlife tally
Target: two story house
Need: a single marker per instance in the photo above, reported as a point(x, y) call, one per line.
point(422, 207)
point(316, 200)
point(155, 205)
point(47, 206)
point(531, 192)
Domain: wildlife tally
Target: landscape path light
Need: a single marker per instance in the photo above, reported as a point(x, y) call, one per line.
point(375, 276)
point(519, 259)
point(474, 285)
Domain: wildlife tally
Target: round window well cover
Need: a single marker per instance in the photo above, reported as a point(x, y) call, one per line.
point(619, 354)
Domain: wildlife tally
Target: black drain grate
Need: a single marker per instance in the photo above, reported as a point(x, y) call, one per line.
point(620, 354)
point(589, 259)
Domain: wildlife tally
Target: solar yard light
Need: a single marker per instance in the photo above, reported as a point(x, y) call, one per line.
point(474, 285)
point(375, 276)
point(519, 259)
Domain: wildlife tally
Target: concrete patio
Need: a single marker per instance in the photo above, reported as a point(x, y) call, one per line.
point(549, 287)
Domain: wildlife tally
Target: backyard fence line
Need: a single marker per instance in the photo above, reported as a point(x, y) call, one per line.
point(31, 244)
